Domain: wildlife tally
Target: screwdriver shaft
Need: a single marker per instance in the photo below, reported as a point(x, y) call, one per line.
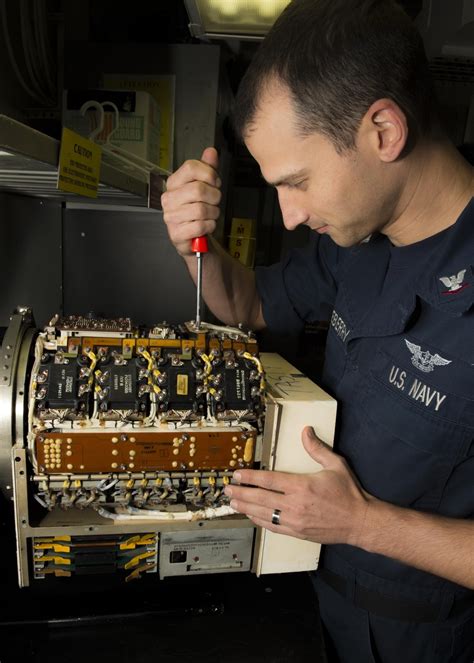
point(199, 289)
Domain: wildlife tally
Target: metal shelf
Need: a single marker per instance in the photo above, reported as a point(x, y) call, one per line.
point(29, 161)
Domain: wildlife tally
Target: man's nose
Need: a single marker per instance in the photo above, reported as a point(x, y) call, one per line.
point(293, 213)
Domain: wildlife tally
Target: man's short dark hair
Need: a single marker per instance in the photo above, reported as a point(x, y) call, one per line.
point(336, 57)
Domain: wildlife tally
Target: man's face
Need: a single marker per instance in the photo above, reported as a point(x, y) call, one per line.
point(344, 195)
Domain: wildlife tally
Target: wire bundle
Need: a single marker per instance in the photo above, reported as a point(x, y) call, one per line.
point(39, 81)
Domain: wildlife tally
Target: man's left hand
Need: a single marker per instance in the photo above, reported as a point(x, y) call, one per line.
point(329, 506)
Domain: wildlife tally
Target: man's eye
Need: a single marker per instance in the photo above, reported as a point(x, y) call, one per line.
point(296, 185)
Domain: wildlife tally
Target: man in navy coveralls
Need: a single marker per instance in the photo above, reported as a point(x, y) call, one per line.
point(337, 109)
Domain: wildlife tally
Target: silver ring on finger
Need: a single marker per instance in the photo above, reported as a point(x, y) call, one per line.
point(276, 517)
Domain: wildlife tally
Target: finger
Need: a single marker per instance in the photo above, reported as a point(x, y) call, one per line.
point(268, 499)
point(210, 156)
point(282, 482)
point(192, 212)
point(185, 232)
point(191, 171)
point(253, 510)
point(193, 192)
point(319, 451)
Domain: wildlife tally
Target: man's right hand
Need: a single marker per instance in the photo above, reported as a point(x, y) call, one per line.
point(191, 201)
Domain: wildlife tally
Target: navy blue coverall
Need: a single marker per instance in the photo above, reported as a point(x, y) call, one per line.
point(400, 362)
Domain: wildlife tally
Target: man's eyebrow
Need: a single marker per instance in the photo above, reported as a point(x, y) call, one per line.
point(289, 179)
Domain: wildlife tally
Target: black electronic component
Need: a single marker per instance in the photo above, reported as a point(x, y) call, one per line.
point(234, 386)
point(181, 385)
point(60, 385)
point(119, 387)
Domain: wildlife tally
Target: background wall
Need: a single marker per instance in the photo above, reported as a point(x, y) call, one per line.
point(121, 263)
point(30, 256)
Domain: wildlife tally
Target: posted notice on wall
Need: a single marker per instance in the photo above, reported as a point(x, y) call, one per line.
point(79, 165)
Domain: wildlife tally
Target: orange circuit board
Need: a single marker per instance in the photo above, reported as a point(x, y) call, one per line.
point(170, 450)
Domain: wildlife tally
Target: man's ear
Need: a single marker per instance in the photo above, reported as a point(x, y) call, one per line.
point(385, 126)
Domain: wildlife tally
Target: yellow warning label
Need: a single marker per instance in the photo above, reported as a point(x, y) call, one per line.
point(79, 165)
point(242, 240)
point(182, 385)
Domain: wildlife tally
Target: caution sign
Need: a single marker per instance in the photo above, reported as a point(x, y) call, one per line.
point(79, 165)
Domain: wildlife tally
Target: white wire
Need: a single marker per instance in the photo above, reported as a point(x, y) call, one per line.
point(41, 25)
point(11, 55)
point(29, 45)
point(30, 60)
point(33, 19)
point(34, 22)
point(132, 513)
point(32, 28)
point(38, 26)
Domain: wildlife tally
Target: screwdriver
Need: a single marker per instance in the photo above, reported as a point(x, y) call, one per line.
point(199, 246)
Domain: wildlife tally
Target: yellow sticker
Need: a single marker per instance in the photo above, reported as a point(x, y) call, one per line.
point(182, 385)
point(79, 165)
point(243, 228)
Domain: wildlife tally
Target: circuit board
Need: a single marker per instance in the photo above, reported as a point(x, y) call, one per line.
point(111, 403)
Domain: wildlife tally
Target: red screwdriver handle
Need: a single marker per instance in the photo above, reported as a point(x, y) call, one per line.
point(199, 244)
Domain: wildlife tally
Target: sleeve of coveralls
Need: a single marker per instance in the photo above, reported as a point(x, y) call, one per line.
point(301, 288)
